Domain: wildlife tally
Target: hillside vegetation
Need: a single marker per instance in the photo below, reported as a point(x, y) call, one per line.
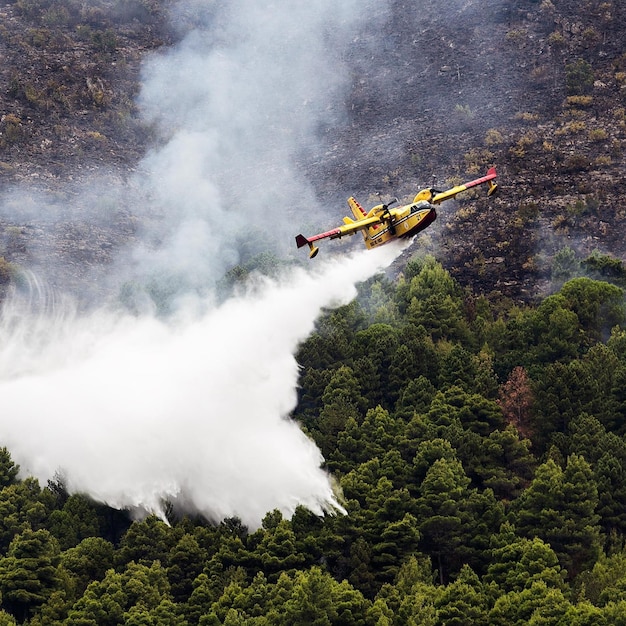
point(471, 405)
point(481, 459)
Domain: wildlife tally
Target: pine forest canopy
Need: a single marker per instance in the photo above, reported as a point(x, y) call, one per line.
point(480, 451)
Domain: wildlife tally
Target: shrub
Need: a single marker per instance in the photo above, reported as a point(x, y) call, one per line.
point(56, 16)
point(571, 128)
point(576, 163)
point(11, 128)
point(578, 77)
point(556, 39)
point(528, 210)
point(31, 8)
point(560, 222)
point(517, 35)
point(528, 139)
point(464, 111)
point(565, 265)
point(579, 101)
point(526, 116)
point(477, 159)
point(7, 271)
point(605, 265)
point(578, 208)
point(591, 35)
point(597, 134)
point(603, 160)
point(104, 41)
point(493, 137)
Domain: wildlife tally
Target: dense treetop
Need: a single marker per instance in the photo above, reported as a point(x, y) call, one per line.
point(478, 448)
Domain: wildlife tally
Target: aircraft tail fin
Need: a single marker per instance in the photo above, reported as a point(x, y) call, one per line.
point(301, 240)
point(357, 210)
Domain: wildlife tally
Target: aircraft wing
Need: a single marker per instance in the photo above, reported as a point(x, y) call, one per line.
point(349, 228)
point(450, 193)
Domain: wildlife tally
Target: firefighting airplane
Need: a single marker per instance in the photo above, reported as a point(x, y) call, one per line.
point(381, 224)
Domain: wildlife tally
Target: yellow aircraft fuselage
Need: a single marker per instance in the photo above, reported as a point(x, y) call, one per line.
point(403, 221)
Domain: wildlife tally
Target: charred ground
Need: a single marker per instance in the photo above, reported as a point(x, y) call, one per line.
point(538, 88)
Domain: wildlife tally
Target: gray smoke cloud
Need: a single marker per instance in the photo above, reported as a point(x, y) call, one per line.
point(235, 104)
point(139, 409)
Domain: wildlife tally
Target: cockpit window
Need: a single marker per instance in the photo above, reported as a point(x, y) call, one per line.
point(420, 206)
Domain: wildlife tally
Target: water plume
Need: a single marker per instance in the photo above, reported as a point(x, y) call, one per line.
point(137, 411)
point(190, 403)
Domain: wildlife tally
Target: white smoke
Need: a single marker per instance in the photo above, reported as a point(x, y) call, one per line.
point(236, 104)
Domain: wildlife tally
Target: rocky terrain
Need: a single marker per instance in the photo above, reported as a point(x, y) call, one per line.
point(537, 88)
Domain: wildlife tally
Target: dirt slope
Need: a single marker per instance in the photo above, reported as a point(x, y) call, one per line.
point(445, 90)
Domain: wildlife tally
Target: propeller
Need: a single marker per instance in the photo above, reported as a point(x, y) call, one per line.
point(386, 216)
